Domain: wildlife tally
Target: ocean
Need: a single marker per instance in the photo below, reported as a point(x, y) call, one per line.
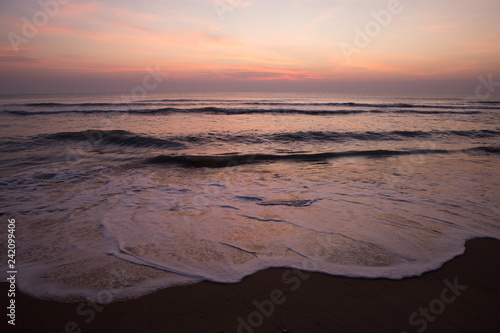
point(119, 195)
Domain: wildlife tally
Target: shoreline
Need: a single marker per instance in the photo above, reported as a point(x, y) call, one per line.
point(462, 296)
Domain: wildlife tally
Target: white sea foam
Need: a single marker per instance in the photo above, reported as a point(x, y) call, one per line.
point(130, 234)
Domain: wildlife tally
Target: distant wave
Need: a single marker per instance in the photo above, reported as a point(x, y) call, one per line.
point(376, 105)
point(230, 160)
point(116, 137)
point(131, 139)
point(377, 136)
point(487, 102)
point(79, 104)
point(234, 111)
point(121, 136)
point(476, 105)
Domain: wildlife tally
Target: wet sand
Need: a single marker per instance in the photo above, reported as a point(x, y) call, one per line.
point(462, 296)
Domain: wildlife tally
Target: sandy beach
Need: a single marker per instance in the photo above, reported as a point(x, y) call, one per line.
point(462, 296)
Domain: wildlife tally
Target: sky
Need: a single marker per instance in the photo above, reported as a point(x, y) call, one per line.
point(421, 46)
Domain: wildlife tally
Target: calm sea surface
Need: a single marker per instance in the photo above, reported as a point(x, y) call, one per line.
point(131, 195)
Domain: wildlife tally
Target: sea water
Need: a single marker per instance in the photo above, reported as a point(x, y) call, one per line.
point(131, 195)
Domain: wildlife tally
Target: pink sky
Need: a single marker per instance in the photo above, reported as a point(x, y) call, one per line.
point(100, 46)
